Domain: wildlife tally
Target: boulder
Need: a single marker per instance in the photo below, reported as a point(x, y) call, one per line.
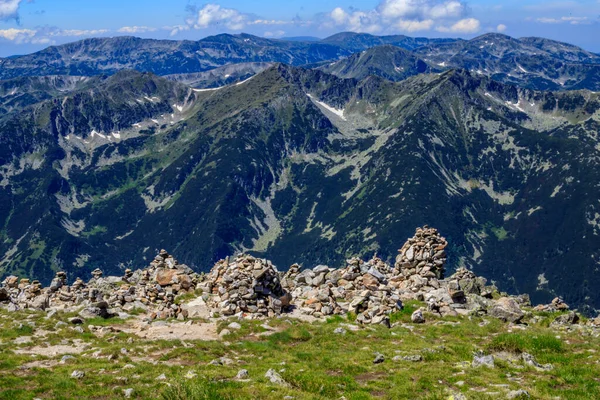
point(506, 309)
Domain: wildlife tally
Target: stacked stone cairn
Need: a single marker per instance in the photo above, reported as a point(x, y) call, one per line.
point(246, 286)
point(152, 289)
point(360, 288)
point(420, 262)
point(250, 287)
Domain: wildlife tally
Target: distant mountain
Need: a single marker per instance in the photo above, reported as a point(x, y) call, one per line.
point(220, 76)
point(387, 61)
point(362, 41)
point(301, 39)
point(163, 57)
point(301, 166)
point(20, 92)
point(528, 62)
point(534, 63)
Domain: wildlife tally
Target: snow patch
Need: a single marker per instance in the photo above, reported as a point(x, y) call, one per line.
point(336, 111)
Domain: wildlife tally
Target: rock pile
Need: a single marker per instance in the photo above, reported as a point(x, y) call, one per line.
point(152, 289)
point(420, 262)
point(251, 287)
point(246, 285)
point(557, 304)
point(360, 287)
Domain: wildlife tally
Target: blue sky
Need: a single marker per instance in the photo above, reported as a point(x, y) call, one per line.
point(30, 25)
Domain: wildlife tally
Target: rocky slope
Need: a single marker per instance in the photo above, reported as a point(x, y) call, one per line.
point(388, 62)
point(302, 166)
point(163, 57)
point(247, 331)
point(535, 63)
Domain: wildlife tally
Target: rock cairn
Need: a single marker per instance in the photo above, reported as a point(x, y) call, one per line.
point(246, 285)
point(152, 289)
point(360, 287)
point(251, 287)
point(557, 304)
point(420, 262)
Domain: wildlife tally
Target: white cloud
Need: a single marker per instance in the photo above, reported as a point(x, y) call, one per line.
point(501, 28)
point(421, 9)
point(17, 35)
point(268, 22)
point(45, 35)
point(409, 25)
point(563, 20)
point(77, 32)
point(136, 29)
point(9, 9)
point(176, 29)
point(276, 34)
point(356, 21)
point(467, 25)
point(406, 16)
point(214, 15)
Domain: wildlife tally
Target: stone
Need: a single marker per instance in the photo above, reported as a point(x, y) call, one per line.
point(242, 374)
point(417, 317)
point(77, 374)
point(481, 360)
point(379, 358)
point(339, 331)
point(161, 377)
point(128, 393)
point(234, 326)
point(528, 359)
point(76, 320)
point(518, 394)
point(507, 310)
point(66, 358)
point(413, 358)
point(570, 318)
point(275, 378)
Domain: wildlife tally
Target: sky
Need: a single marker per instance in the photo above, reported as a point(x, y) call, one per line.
point(30, 25)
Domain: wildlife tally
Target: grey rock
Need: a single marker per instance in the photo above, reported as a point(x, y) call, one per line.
point(570, 318)
point(506, 309)
point(320, 268)
point(234, 325)
point(379, 358)
point(531, 361)
point(480, 360)
point(417, 317)
point(242, 374)
point(128, 393)
point(161, 377)
point(77, 374)
point(518, 394)
point(66, 358)
point(275, 378)
point(339, 331)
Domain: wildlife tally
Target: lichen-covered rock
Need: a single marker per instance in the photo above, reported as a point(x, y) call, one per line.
point(506, 309)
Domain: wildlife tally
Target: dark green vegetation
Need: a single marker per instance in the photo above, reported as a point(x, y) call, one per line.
point(315, 362)
point(106, 174)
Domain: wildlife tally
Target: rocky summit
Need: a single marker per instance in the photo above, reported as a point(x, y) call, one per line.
point(252, 288)
point(247, 330)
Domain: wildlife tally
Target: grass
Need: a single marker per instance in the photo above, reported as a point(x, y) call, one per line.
point(315, 362)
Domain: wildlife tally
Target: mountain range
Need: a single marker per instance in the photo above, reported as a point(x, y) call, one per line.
point(100, 169)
